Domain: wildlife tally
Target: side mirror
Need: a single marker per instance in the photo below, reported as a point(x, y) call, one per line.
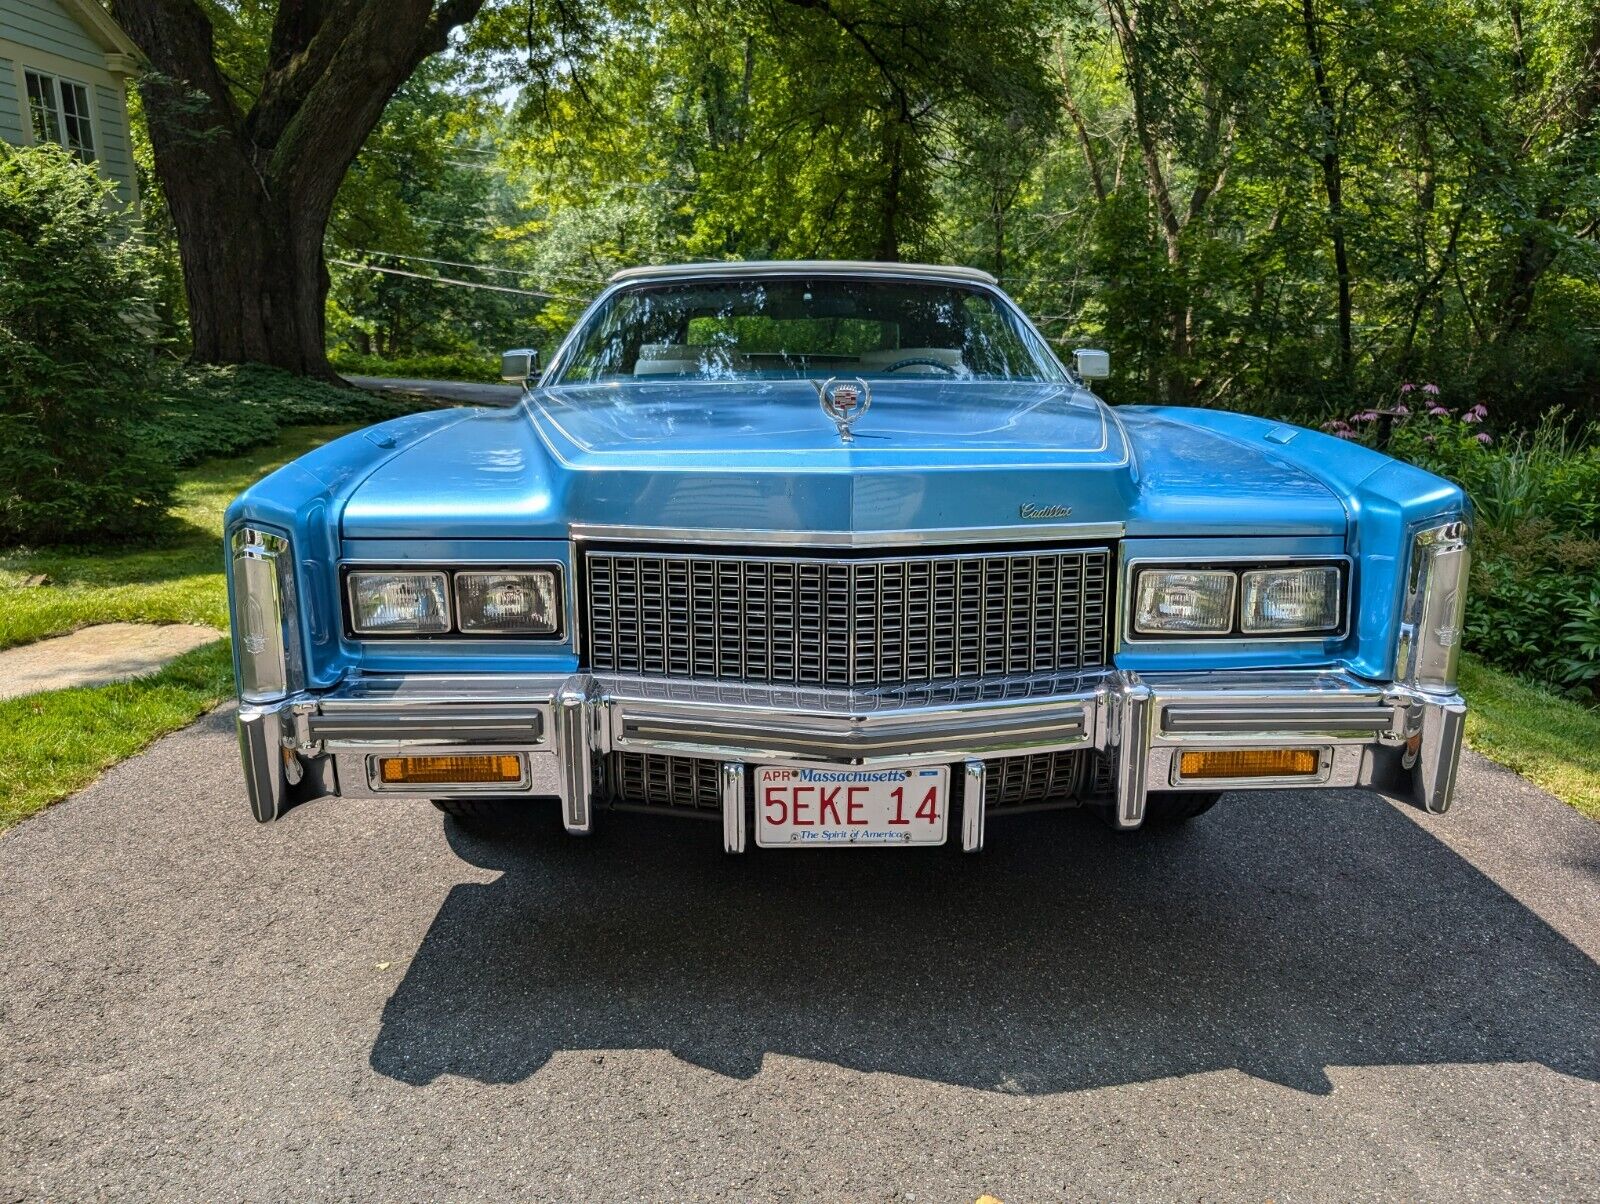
point(1092, 363)
point(520, 366)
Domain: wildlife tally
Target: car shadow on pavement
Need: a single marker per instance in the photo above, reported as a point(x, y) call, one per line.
point(1273, 935)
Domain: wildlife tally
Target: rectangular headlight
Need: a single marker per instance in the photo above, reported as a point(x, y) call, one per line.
point(1300, 599)
point(1185, 602)
point(397, 603)
point(526, 602)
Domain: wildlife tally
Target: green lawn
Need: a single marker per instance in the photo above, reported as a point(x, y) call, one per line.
point(1551, 741)
point(61, 740)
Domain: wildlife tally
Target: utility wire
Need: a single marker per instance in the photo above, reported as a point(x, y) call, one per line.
point(493, 288)
point(477, 267)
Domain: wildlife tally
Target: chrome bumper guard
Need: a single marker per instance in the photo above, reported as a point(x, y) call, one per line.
point(1391, 738)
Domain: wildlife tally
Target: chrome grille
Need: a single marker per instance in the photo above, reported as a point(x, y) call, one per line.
point(659, 780)
point(691, 784)
point(847, 622)
point(1030, 779)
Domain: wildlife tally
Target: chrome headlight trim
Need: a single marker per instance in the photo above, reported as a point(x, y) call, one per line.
point(436, 582)
point(265, 614)
point(449, 571)
point(1130, 635)
point(1434, 607)
point(1203, 578)
point(1250, 603)
point(469, 617)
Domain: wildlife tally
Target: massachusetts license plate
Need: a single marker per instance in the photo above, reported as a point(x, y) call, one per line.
point(799, 807)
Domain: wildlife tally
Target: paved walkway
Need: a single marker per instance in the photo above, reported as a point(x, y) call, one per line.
point(96, 655)
point(1291, 1000)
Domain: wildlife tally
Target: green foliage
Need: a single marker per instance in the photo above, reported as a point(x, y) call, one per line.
point(1552, 741)
point(199, 412)
point(73, 356)
point(1535, 606)
point(461, 365)
point(1151, 177)
point(427, 198)
point(61, 739)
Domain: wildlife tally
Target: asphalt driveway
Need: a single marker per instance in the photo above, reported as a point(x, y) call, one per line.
point(1290, 1000)
point(453, 392)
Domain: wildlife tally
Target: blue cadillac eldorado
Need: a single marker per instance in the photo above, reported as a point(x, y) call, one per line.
point(840, 554)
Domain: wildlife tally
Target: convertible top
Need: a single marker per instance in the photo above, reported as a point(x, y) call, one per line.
point(803, 267)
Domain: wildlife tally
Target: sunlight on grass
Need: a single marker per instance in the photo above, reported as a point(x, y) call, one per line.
point(178, 581)
point(1551, 741)
point(61, 740)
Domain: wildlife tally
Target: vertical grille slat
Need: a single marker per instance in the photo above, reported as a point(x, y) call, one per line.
point(847, 622)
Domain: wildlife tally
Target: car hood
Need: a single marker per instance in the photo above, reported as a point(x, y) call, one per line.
point(763, 457)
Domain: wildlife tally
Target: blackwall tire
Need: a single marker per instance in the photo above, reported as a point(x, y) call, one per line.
point(487, 815)
point(1178, 806)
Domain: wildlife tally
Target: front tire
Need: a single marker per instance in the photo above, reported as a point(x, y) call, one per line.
point(486, 815)
point(1178, 806)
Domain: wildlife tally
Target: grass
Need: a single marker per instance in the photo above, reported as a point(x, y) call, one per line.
point(179, 581)
point(61, 740)
point(1552, 741)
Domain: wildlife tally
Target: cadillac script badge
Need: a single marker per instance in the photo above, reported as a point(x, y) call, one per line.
point(1036, 510)
point(844, 401)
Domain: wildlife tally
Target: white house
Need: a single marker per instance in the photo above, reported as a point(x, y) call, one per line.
point(64, 70)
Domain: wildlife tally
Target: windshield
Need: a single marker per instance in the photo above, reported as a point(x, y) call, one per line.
point(785, 328)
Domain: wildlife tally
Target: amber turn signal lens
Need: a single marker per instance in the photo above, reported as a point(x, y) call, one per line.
point(1249, 763)
point(444, 771)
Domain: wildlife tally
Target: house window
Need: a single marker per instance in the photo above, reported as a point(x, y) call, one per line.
point(60, 111)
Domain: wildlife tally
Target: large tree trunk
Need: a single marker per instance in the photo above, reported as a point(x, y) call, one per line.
point(250, 191)
point(253, 270)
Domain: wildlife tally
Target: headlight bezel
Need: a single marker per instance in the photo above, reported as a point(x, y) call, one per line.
point(1230, 604)
point(455, 633)
point(1245, 600)
point(1238, 566)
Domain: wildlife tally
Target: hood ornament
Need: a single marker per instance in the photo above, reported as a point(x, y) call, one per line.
point(844, 401)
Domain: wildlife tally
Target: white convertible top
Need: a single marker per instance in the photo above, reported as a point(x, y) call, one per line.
point(807, 267)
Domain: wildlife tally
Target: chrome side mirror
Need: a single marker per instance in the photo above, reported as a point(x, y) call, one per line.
point(1092, 363)
point(520, 366)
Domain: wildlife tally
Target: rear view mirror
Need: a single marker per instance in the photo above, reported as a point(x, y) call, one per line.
point(520, 366)
point(1092, 363)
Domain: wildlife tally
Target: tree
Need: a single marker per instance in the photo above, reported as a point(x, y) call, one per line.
point(252, 138)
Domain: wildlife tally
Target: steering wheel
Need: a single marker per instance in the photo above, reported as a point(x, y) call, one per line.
point(923, 361)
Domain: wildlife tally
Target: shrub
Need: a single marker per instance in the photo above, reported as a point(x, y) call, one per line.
point(72, 359)
point(1535, 590)
point(199, 411)
point(460, 365)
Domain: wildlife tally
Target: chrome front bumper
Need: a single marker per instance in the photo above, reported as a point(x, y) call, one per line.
point(1399, 741)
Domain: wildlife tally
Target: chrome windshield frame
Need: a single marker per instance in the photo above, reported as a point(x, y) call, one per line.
point(633, 279)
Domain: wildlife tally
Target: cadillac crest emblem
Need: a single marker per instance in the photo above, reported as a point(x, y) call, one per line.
point(844, 401)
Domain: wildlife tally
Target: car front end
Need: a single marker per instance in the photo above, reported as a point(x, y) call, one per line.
point(949, 596)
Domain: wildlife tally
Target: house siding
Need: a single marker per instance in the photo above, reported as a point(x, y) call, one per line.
point(41, 35)
point(10, 109)
point(44, 25)
point(116, 158)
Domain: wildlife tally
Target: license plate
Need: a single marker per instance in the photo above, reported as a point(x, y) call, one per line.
point(800, 806)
